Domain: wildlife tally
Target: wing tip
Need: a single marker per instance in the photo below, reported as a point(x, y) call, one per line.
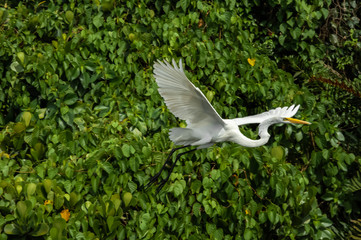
point(165, 65)
point(293, 109)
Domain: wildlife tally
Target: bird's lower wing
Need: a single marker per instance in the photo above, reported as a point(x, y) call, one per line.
point(182, 98)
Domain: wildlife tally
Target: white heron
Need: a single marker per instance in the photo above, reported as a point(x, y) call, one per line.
point(204, 125)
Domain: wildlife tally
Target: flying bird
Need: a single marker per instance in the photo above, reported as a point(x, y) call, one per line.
point(204, 125)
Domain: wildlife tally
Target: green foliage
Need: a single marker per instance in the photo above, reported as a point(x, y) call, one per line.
point(83, 126)
point(342, 32)
point(355, 183)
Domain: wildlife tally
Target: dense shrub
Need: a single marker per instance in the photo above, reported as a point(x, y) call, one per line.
point(83, 126)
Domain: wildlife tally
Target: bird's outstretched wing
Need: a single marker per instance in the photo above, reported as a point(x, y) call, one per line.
point(285, 112)
point(182, 98)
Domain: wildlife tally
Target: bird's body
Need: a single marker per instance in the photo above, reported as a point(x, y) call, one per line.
point(204, 125)
point(207, 135)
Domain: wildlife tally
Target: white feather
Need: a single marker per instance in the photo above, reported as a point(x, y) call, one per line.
point(182, 98)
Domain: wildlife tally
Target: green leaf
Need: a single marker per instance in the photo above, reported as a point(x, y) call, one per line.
point(64, 110)
point(40, 170)
point(94, 183)
point(126, 150)
point(196, 186)
point(215, 174)
point(277, 152)
point(210, 95)
point(16, 67)
point(134, 164)
point(116, 201)
point(221, 63)
point(42, 229)
point(52, 172)
point(218, 234)
point(22, 209)
point(19, 127)
point(56, 232)
point(70, 99)
point(178, 188)
point(12, 229)
point(30, 189)
point(318, 142)
point(271, 216)
point(283, 28)
point(21, 57)
point(132, 186)
point(282, 39)
point(325, 222)
point(127, 197)
point(110, 221)
point(340, 136)
point(310, 33)
point(299, 136)
point(183, 3)
point(38, 151)
point(197, 209)
point(334, 39)
point(324, 12)
point(144, 220)
point(147, 151)
point(98, 20)
point(69, 16)
point(262, 217)
point(325, 154)
point(211, 228)
point(247, 235)
point(279, 189)
point(48, 184)
point(26, 117)
point(107, 167)
point(74, 198)
point(69, 172)
point(296, 33)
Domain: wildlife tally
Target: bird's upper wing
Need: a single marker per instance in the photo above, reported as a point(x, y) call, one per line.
point(285, 112)
point(182, 98)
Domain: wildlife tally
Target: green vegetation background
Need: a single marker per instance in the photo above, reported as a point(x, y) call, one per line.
point(83, 126)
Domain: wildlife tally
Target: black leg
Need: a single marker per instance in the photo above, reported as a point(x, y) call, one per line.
point(162, 183)
point(155, 177)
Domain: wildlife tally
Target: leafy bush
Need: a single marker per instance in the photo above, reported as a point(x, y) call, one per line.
point(83, 126)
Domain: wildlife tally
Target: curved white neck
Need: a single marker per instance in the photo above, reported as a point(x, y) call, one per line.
point(262, 133)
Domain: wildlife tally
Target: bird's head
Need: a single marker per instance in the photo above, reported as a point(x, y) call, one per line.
point(287, 113)
point(280, 115)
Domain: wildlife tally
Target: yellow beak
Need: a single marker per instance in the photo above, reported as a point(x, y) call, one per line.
point(293, 120)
